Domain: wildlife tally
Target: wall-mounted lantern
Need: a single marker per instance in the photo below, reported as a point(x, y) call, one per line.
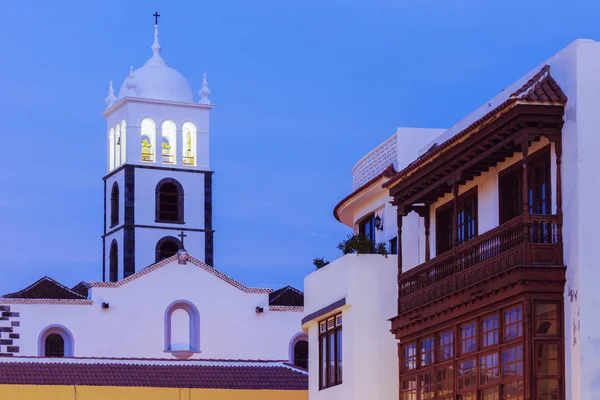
point(378, 223)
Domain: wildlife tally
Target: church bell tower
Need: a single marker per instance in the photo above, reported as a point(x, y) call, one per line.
point(158, 182)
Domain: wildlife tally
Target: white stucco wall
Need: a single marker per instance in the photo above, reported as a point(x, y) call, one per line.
point(369, 352)
point(134, 323)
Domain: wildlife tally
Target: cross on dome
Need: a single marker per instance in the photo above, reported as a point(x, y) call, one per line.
point(156, 15)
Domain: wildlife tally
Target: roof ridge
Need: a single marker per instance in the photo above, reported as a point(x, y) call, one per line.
point(171, 259)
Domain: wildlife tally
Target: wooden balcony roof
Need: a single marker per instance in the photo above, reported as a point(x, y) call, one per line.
point(535, 110)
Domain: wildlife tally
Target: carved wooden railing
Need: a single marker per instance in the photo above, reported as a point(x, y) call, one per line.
point(497, 250)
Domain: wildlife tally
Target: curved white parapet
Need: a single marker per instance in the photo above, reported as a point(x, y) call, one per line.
point(375, 162)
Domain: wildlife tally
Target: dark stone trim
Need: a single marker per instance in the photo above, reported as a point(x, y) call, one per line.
point(168, 228)
point(180, 201)
point(129, 221)
point(209, 236)
point(325, 310)
point(195, 171)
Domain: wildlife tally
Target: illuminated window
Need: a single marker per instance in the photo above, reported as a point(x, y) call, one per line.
point(189, 143)
point(168, 142)
point(148, 139)
point(111, 150)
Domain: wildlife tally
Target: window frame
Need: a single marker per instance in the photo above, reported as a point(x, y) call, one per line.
point(367, 222)
point(500, 384)
point(180, 218)
point(324, 346)
point(444, 234)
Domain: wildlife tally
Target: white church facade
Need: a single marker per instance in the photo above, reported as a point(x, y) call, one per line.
point(160, 296)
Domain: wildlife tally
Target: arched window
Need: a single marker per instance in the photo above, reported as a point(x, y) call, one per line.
point(114, 205)
point(299, 350)
point(113, 261)
point(166, 247)
point(182, 329)
point(111, 150)
point(55, 341)
point(117, 145)
point(189, 144)
point(169, 142)
point(169, 201)
point(123, 142)
point(148, 139)
point(54, 345)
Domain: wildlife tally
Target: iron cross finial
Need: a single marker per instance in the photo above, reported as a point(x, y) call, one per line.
point(156, 15)
point(182, 236)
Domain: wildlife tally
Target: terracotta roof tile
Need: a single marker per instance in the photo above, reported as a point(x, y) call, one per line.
point(540, 89)
point(213, 375)
point(46, 288)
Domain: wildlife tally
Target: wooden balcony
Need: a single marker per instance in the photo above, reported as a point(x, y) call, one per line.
point(535, 242)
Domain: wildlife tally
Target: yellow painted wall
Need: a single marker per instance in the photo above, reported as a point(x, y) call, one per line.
point(31, 392)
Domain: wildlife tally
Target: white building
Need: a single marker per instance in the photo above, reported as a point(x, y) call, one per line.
point(481, 312)
point(160, 297)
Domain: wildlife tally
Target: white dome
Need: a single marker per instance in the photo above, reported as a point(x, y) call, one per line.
point(156, 80)
point(159, 82)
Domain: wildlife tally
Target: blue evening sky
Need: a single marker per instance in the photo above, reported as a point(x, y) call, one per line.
point(303, 90)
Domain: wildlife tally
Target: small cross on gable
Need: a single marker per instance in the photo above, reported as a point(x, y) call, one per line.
point(182, 236)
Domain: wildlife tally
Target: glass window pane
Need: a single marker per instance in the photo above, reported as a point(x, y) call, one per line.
point(490, 394)
point(546, 319)
point(547, 359)
point(427, 385)
point(331, 345)
point(547, 389)
point(489, 369)
point(512, 362)
point(445, 380)
point(513, 391)
point(468, 337)
point(427, 351)
point(409, 389)
point(489, 330)
point(339, 356)
point(446, 345)
point(513, 323)
point(410, 356)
